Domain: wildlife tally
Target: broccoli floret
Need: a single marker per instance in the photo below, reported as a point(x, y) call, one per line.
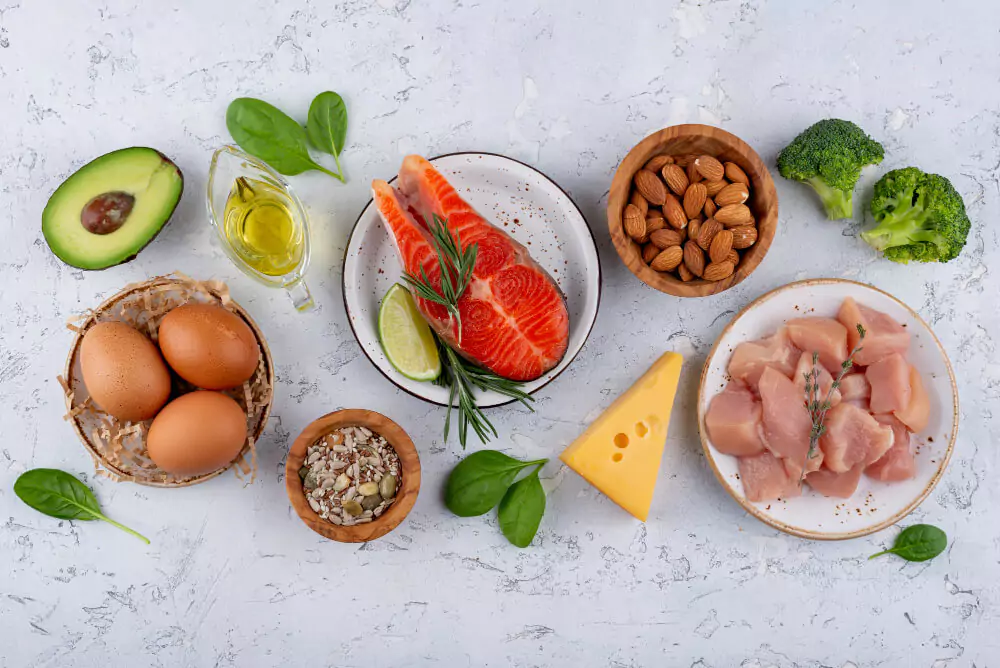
point(920, 217)
point(829, 156)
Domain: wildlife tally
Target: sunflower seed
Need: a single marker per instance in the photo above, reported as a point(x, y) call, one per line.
point(314, 504)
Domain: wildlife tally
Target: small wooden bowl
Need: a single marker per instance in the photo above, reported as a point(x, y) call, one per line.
point(682, 140)
point(408, 460)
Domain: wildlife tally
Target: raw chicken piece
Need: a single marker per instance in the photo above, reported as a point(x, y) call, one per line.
point(733, 421)
point(852, 437)
point(890, 381)
point(751, 357)
point(883, 334)
point(813, 463)
point(840, 485)
point(855, 387)
point(918, 410)
point(765, 479)
point(825, 379)
point(898, 463)
point(825, 336)
point(786, 420)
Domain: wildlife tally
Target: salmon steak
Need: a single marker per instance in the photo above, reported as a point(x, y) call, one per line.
point(513, 318)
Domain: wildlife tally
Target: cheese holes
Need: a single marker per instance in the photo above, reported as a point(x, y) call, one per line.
point(617, 457)
point(641, 430)
point(621, 440)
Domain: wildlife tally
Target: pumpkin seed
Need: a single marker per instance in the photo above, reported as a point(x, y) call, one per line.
point(371, 501)
point(368, 488)
point(387, 486)
point(353, 508)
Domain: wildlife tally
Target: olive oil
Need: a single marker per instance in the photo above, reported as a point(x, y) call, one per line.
point(261, 227)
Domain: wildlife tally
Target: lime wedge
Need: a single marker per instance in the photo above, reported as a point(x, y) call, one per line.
point(406, 337)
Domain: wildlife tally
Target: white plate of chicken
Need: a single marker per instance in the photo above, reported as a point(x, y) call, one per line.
point(888, 429)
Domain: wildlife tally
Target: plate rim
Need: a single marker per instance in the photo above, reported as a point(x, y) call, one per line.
point(806, 533)
point(590, 234)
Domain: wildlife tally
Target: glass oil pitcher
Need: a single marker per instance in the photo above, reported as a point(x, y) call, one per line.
point(262, 224)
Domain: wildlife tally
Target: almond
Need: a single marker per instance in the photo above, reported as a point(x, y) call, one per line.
point(709, 167)
point(666, 238)
point(721, 244)
point(639, 201)
point(676, 179)
point(684, 272)
point(710, 208)
point(649, 251)
point(694, 228)
point(733, 257)
point(733, 215)
point(709, 229)
point(718, 271)
point(674, 213)
point(744, 236)
point(735, 174)
point(694, 199)
point(634, 223)
point(734, 193)
point(654, 221)
point(694, 258)
point(657, 162)
point(714, 187)
point(694, 176)
point(668, 259)
point(650, 186)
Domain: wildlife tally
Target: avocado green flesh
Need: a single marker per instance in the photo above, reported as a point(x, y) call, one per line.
point(144, 173)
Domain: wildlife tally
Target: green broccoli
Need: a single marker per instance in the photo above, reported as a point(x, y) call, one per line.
point(829, 156)
point(920, 217)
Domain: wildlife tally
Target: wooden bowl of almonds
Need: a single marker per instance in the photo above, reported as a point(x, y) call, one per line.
point(692, 210)
point(352, 475)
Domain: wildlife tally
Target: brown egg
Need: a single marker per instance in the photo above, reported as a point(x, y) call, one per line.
point(123, 371)
point(209, 346)
point(197, 433)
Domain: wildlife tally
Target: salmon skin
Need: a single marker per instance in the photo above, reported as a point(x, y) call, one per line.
point(514, 320)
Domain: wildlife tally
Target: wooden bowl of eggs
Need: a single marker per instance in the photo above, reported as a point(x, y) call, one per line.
point(169, 382)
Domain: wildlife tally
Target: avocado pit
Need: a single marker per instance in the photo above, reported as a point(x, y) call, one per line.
point(107, 212)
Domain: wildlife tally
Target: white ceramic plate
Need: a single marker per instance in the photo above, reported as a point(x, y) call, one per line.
point(875, 505)
point(524, 203)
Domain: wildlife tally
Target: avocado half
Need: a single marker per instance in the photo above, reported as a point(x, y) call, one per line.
point(109, 209)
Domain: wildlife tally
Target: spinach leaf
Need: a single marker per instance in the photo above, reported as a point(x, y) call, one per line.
point(918, 542)
point(58, 494)
point(266, 132)
point(521, 510)
point(327, 124)
point(479, 481)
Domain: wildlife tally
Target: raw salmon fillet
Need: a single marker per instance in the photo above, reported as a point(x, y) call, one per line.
point(514, 318)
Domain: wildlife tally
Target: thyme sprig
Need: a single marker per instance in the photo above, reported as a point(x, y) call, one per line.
point(818, 408)
point(461, 377)
point(456, 270)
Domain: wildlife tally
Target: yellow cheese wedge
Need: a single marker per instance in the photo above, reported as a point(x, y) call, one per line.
point(620, 452)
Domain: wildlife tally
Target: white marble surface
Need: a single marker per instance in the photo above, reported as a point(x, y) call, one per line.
point(234, 579)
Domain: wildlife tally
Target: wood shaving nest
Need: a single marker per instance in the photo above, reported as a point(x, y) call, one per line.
point(119, 449)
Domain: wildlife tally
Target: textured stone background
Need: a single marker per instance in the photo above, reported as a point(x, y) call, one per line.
point(234, 579)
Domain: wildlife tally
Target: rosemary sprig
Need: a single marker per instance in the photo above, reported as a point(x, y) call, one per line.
point(461, 377)
point(456, 270)
point(818, 408)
